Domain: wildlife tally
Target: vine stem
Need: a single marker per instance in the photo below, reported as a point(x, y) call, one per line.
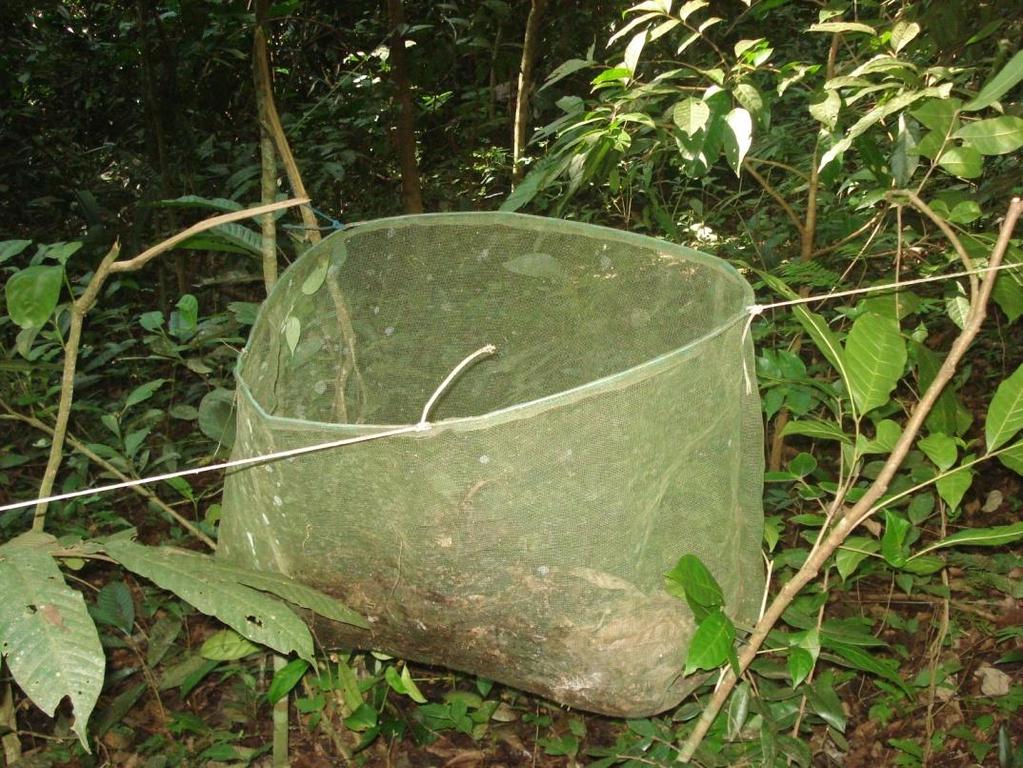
point(80, 308)
point(853, 516)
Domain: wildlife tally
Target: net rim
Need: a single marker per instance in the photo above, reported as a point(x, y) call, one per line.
point(527, 409)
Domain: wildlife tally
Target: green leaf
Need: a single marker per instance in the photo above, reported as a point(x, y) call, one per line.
point(285, 679)
point(995, 136)
point(939, 448)
point(198, 580)
point(195, 201)
point(292, 332)
point(738, 709)
point(905, 157)
point(1008, 295)
point(692, 581)
point(316, 277)
point(1012, 457)
point(999, 85)
point(633, 51)
point(860, 659)
point(32, 294)
point(854, 551)
point(217, 416)
point(842, 26)
point(893, 542)
point(227, 645)
point(49, 640)
point(824, 108)
point(820, 430)
point(143, 392)
point(953, 486)
point(800, 663)
point(738, 138)
point(712, 644)
point(11, 248)
point(875, 356)
point(114, 606)
point(816, 326)
point(903, 33)
point(565, 69)
point(183, 322)
point(1005, 414)
point(535, 265)
point(995, 536)
point(691, 115)
point(964, 162)
point(871, 118)
point(937, 115)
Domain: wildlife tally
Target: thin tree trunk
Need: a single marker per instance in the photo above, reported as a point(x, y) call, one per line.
point(405, 139)
point(272, 122)
point(529, 51)
point(268, 160)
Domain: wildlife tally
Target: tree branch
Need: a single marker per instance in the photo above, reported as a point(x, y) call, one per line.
point(867, 504)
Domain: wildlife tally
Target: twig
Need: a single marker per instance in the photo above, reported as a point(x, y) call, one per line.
point(868, 502)
point(776, 195)
point(81, 306)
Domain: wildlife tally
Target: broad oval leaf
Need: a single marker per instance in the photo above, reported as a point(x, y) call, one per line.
point(711, 644)
point(227, 645)
point(964, 162)
point(738, 138)
point(1005, 415)
point(800, 663)
point(939, 448)
point(217, 416)
point(535, 265)
point(995, 136)
point(875, 356)
point(691, 580)
point(11, 248)
point(953, 486)
point(32, 294)
point(691, 115)
point(316, 277)
point(292, 332)
point(903, 33)
point(47, 636)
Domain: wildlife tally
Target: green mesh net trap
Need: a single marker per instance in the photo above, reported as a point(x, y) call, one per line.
point(522, 536)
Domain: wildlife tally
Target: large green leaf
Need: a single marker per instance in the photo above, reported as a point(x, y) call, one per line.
point(999, 85)
point(815, 325)
point(195, 201)
point(820, 430)
point(711, 644)
point(964, 162)
point(995, 136)
point(691, 115)
point(46, 634)
point(875, 356)
point(196, 579)
point(738, 137)
point(691, 580)
point(1005, 415)
point(32, 295)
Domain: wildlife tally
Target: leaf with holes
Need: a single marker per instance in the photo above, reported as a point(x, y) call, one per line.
point(875, 356)
point(1005, 416)
point(195, 579)
point(46, 634)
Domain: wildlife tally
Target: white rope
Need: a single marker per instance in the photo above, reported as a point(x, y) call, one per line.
point(756, 309)
point(421, 426)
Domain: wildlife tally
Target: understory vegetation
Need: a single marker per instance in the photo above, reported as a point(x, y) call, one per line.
point(858, 162)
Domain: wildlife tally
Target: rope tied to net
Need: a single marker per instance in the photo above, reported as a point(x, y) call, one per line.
point(423, 425)
point(754, 310)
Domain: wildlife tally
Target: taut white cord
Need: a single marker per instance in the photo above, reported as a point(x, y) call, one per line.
point(422, 426)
